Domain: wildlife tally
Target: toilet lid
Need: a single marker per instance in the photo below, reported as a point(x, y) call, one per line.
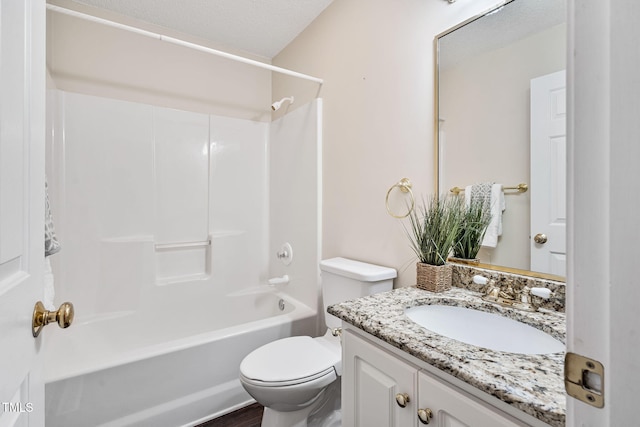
point(288, 359)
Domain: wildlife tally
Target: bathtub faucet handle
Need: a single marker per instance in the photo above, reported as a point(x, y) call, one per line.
point(285, 254)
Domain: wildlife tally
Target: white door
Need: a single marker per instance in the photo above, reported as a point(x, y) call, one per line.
point(548, 174)
point(604, 149)
point(22, 118)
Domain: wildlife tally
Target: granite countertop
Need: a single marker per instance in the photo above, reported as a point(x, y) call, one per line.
point(531, 383)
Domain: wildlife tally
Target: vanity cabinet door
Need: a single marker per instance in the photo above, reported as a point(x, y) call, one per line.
point(374, 385)
point(451, 407)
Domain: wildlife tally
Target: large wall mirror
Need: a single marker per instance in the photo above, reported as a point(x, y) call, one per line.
point(501, 116)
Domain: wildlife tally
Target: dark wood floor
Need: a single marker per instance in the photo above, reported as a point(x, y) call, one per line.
point(251, 416)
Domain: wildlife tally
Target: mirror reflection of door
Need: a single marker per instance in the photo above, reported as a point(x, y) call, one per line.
point(548, 174)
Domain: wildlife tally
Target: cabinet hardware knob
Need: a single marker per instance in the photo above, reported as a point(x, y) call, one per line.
point(425, 415)
point(402, 399)
point(540, 238)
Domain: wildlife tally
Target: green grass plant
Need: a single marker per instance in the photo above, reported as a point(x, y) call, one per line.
point(475, 220)
point(434, 228)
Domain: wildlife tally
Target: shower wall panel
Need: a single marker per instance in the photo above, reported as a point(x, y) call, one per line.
point(102, 186)
point(295, 174)
point(181, 160)
point(128, 178)
point(239, 199)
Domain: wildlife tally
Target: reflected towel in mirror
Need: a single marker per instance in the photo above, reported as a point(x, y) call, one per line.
point(51, 244)
point(490, 194)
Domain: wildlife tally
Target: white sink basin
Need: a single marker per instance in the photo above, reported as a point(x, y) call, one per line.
point(483, 329)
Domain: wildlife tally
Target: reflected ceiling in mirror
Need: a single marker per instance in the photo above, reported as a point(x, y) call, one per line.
point(486, 124)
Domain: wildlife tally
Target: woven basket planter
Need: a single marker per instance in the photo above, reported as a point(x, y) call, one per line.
point(434, 278)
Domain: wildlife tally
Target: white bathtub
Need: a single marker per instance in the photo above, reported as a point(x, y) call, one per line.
point(166, 364)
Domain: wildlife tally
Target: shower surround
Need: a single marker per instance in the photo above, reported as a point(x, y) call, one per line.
point(170, 222)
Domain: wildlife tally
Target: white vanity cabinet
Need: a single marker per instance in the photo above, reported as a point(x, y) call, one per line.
point(372, 379)
point(377, 383)
point(451, 407)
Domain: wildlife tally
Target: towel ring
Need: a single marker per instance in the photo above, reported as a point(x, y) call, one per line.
point(405, 186)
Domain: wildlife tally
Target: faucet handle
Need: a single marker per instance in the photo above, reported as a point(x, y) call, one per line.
point(542, 292)
point(549, 295)
point(480, 280)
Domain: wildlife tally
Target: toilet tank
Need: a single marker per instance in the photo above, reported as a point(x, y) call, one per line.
point(345, 279)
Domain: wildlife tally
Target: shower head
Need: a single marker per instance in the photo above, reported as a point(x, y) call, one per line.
point(276, 105)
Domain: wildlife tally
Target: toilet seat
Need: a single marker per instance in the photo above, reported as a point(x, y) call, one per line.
point(327, 376)
point(289, 361)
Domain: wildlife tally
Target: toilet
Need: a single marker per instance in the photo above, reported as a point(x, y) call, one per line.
point(297, 379)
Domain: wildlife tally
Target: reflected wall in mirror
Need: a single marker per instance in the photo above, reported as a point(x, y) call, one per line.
point(488, 122)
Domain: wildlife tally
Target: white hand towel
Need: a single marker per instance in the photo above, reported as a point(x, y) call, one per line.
point(467, 195)
point(49, 291)
point(491, 195)
point(495, 226)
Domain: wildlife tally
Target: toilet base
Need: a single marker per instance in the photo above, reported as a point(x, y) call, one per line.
point(324, 412)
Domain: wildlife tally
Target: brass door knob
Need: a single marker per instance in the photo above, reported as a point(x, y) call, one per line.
point(402, 399)
point(41, 317)
point(540, 238)
point(425, 415)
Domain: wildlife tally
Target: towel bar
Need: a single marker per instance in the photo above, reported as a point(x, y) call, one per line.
point(521, 188)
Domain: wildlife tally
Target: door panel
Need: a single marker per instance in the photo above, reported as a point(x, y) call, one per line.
point(548, 173)
point(22, 100)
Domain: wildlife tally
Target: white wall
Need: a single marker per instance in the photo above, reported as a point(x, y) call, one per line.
point(94, 59)
point(376, 58)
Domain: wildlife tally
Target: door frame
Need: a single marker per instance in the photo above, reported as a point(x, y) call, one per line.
point(603, 95)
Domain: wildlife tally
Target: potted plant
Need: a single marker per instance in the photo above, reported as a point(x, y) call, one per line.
point(433, 233)
point(475, 220)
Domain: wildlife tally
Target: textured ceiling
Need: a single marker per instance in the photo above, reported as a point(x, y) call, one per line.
point(261, 27)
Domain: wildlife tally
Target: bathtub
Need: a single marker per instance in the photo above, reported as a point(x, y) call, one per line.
point(172, 362)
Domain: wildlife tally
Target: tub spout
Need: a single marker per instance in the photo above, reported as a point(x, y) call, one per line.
point(284, 280)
